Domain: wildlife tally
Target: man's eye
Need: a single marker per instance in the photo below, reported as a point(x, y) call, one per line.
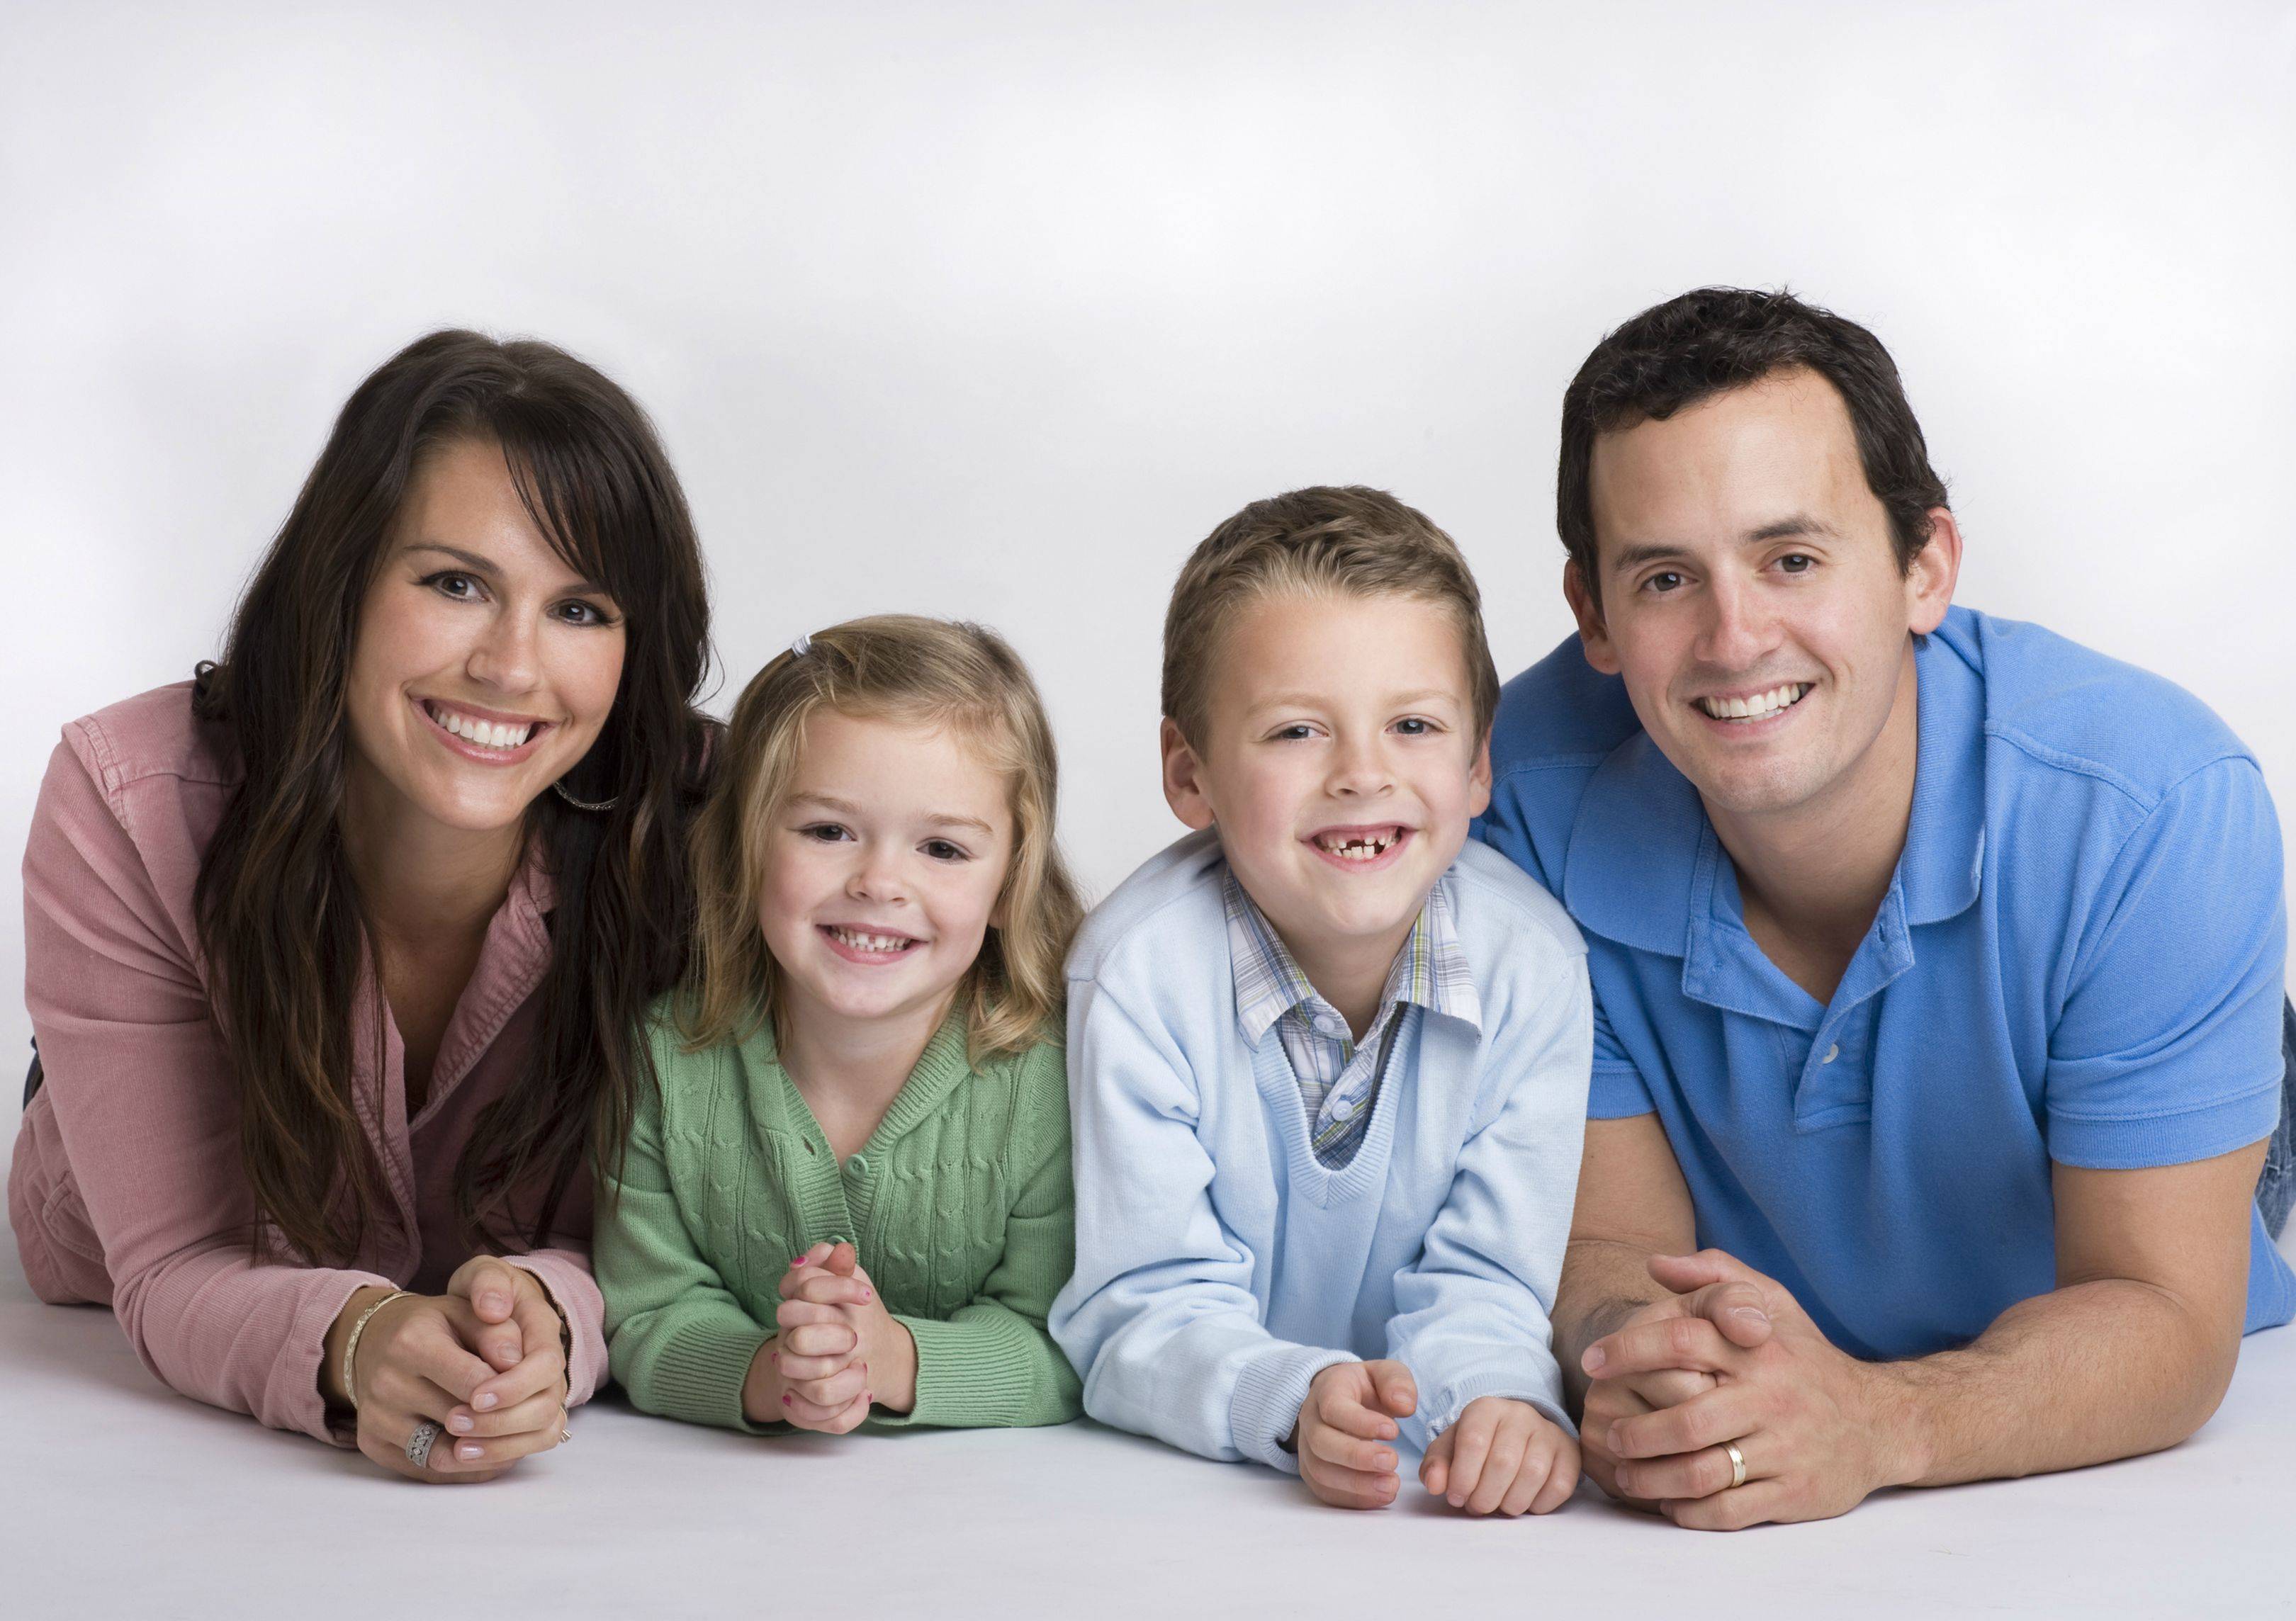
point(941, 849)
point(1797, 562)
point(1664, 581)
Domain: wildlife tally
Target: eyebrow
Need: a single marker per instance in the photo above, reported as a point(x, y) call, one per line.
point(1780, 528)
point(476, 564)
point(846, 807)
point(1311, 701)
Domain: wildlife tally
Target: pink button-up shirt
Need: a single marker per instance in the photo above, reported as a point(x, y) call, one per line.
point(127, 1187)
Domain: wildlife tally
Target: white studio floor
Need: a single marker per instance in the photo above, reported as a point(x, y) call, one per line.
point(118, 1497)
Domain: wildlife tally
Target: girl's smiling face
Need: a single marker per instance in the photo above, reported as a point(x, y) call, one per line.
point(883, 868)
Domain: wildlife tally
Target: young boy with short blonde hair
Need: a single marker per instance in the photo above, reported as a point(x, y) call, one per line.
point(1328, 1061)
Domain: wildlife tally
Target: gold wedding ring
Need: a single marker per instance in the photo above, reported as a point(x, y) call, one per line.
point(1737, 1464)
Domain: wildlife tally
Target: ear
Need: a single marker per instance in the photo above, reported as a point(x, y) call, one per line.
point(1478, 779)
point(1593, 635)
point(1184, 789)
point(1937, 566)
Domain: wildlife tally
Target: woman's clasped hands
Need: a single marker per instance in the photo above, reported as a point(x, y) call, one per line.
point(485, 1362)
point(838, 1352)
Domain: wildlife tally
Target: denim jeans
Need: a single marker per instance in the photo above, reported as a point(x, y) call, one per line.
point(2275, 1188)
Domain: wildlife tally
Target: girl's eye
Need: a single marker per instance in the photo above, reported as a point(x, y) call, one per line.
point(941, 849)
point(1663, 582)
point(824, 833)
point(1797, 562)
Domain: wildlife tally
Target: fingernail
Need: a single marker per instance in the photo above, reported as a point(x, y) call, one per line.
point(1457, 1499)
point(1611, 1440)
point(1594, 1360)
point(866, 1296)
point(459, 1423)
point(785, 1400)
point(494, 1302)
point(485, 1401)
point(868, 1396)
point(1750, 1313)
point(468, 1449)
point(798, 1262)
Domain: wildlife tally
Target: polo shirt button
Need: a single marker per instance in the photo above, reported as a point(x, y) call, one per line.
point(1832, 1054)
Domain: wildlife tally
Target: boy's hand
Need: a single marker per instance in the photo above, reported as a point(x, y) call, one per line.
point(1501, 1455)
point(1348, 1415)
point(839, 1351)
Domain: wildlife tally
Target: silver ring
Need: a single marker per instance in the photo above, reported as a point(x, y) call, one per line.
point(1737, 1464)
point(418, 1445)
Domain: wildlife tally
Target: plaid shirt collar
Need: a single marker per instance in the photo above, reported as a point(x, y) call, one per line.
point(1431, 969)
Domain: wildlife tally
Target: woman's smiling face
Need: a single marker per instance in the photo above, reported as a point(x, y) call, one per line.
point(483, 666)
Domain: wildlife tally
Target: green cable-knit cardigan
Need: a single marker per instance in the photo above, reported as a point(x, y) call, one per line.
point(959, 1205)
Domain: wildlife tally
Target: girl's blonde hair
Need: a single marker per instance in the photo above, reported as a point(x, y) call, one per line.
point(899, 667)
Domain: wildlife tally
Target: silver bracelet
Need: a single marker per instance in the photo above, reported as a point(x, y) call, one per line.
point(350, 1345)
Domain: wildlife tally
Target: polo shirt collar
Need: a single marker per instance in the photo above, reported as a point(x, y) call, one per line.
point(1642, 836)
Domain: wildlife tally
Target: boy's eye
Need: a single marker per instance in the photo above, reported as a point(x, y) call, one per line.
point(1294, 733)
point(1413, 725)
point(941, 849)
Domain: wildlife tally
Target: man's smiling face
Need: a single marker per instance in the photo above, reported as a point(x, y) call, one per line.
point(1750, 596)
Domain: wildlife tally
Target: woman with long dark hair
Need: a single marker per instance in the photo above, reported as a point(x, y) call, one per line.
point(334, 953)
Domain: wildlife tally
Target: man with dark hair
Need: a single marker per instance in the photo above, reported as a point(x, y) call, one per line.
point(1938, 962)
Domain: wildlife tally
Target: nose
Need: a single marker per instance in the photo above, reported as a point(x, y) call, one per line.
point(1739, 630)
point(879, 873)
point(1360, 769)
point(507, 655)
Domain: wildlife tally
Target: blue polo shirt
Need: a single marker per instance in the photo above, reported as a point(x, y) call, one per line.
point(2079, 959)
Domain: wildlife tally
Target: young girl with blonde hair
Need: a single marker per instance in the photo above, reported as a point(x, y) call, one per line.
point(848, 1200)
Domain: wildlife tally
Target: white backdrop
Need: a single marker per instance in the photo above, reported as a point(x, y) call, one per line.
point(994, 310)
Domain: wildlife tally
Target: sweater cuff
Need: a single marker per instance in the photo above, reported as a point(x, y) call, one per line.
point(1518, 1384)
point(975, 1375)
point(1265, 1408)
point(698, 1373)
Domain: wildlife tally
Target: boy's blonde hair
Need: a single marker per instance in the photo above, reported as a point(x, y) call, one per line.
point(1326, 538)
point(900, 667)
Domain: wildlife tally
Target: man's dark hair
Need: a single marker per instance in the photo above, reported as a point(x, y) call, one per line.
point(1703, 343)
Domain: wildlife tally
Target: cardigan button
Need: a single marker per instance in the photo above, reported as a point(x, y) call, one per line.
point(859, 1164)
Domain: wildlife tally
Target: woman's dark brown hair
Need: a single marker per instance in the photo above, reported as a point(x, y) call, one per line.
point(1703, 342)
point(279, 914)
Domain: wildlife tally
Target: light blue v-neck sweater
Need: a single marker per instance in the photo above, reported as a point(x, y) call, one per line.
point(1220, 1266)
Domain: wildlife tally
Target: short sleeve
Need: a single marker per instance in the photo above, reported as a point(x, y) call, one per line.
point(2166, 1046)
point(1618, 1089)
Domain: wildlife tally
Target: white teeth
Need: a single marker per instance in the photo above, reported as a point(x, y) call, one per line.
point(487, 734)
point(872, 942)
point(1761, 705)
point(1360, 846)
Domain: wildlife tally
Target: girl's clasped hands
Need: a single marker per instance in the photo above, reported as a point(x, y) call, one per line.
point(839, 1352)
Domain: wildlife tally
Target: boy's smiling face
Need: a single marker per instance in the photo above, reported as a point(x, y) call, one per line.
point(1341, 761)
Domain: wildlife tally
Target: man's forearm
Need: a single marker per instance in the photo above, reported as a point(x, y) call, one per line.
point(1605, 1281)
point(2082, 1375)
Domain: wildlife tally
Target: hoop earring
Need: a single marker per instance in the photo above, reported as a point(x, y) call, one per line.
point(559, 788)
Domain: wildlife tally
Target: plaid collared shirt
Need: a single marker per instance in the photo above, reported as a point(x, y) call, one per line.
point(1339, 1076)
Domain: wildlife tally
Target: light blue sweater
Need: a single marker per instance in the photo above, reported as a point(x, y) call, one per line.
point(1220, 1267)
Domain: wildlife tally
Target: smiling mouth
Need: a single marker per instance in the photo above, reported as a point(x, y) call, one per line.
point(1359, 846)
point(867, 945)
point(477, 732)
point(1760, 706)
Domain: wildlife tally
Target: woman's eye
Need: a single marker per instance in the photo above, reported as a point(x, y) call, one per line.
point(580, 612)
point(941, 849)
point(453, 584)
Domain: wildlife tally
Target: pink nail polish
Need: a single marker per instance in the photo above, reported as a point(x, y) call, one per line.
point(459, 1424)
point(785, 1400)
point(866, 1295)
point(467, 1450)
point(485, 1401)
point(798, 1262)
